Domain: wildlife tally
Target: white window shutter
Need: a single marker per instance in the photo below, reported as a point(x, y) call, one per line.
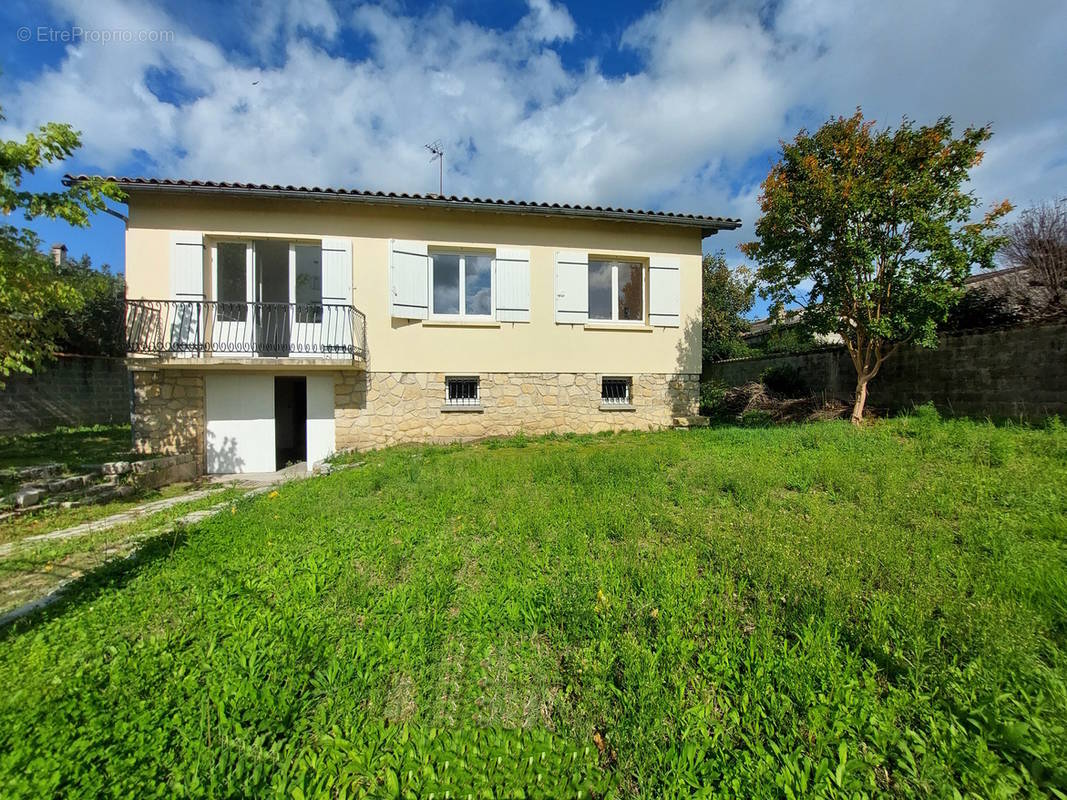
point(409, 279)
point(337, 271)
point(572, 287)
point(512, 285)
point(187, 265)
point(664, 292)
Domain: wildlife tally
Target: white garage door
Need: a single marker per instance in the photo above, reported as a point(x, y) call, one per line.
point(320, 418)
point(240, 423)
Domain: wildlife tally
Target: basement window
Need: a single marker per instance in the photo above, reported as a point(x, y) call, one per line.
point(462, 393)
point(616, 393)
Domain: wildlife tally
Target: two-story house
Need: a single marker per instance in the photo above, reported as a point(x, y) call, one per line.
point(277, 324)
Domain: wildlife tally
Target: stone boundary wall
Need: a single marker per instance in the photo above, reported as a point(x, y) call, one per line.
point(72, 391)
point(168, 414)
point(1017, 372)
point(377, 409)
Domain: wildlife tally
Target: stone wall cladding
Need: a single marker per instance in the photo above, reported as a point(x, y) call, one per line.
point(73, 391)
point(1011, 373)
point(168, 413)
point(377, 409)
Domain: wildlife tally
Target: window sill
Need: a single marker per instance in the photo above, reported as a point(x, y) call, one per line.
point(457, 409)
point(617, 326)
point(460, 323)
point(617, 407)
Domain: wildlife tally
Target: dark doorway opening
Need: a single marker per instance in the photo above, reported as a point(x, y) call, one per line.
point(290, 420)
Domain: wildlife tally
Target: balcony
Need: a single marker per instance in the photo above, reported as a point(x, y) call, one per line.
point(194, 332)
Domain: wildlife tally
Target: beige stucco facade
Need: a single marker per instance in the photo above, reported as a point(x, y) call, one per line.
point(536, 376)
point(425, 346)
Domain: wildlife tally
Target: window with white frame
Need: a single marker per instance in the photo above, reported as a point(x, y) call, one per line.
point(617, 291)
point(462, 285)
point(615, 391)
point(308, 282)
point(461, 391)
point(232, 291)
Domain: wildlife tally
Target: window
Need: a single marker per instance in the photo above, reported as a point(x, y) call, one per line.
point(233, 281)
point(461, 392)
point(615, 391)
point(617, 291)
point(308, 283)
point(462, 285)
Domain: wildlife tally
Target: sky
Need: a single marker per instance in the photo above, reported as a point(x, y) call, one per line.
point(675, 106)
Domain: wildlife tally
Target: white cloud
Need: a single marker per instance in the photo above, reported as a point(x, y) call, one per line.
point(718, 86)
point(549, 22)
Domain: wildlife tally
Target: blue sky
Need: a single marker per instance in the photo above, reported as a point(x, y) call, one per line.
point(676, 105)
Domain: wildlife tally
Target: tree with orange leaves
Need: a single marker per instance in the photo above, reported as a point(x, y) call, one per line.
point(871, 233)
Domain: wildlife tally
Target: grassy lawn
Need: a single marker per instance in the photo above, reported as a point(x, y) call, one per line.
point(34, 569)
point(53, 518)
point(71, 447)
point(798, 611)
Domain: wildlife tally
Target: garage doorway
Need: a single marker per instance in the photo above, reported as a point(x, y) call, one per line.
point(290, 420)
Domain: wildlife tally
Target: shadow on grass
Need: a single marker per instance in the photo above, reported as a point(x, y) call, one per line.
point(71, 447)
point(110, 576)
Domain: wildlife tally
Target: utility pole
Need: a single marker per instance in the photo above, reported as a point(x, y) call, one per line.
point(438, 156)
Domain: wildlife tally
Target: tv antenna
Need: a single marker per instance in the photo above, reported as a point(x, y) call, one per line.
point(438, 156)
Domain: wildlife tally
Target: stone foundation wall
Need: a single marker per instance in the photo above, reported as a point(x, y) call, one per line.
point(377, 409)
point(168, 414)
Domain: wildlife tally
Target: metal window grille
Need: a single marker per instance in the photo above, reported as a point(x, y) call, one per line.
point(615, 391)
point(461, 391)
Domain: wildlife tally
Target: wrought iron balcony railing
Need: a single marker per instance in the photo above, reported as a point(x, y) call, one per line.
point(208, 328)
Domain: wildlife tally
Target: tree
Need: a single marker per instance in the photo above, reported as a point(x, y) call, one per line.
point(97, 328)
point(31, 294)
point(870, 232)
point(32, 302)
point(1037, 242)
point(728, 296)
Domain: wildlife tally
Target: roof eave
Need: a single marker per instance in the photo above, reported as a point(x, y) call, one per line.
point(707, 227)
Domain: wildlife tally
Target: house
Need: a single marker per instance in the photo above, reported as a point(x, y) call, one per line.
point(761, 332)
point(277, 324)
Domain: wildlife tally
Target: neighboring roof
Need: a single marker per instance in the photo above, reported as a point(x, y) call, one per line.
point(707, 225)
point(996, 275)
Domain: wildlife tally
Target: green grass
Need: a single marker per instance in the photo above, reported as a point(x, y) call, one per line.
point(36, 568)
point(54, 518)
point(781, 612)
point(70, 447)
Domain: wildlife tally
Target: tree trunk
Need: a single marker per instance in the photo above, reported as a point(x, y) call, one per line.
point(861, 399)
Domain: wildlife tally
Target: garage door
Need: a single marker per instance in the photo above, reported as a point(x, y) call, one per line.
point(320, 418)
point(240, 423)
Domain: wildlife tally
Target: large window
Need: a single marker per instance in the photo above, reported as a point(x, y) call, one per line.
point(233, 281)
point(462, 285)
point(616, 291)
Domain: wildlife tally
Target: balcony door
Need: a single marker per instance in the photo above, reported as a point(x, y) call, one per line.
point(306, 291)
point(275, 298)
point(273, 283)
point(233, 324)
